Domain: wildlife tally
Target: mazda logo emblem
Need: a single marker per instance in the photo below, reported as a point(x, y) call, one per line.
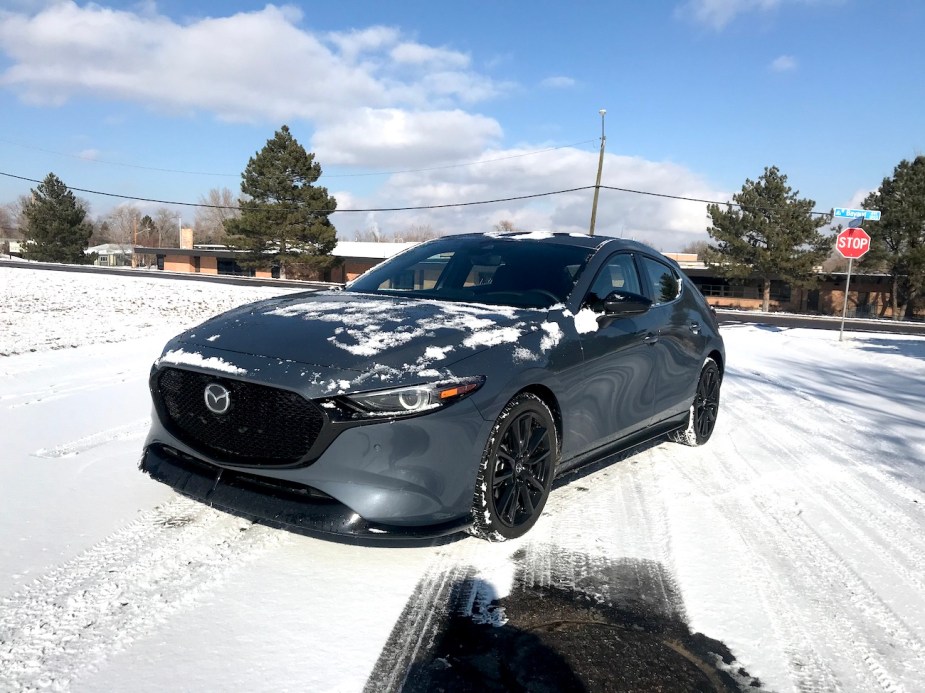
point(218, 399)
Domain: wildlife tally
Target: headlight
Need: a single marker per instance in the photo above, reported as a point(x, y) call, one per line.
point(405, 401)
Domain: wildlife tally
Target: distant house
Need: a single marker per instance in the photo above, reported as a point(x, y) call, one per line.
point(356, 257)
point(112, 255)
point(11, 246)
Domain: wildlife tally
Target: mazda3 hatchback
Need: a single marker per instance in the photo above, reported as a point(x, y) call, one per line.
point(443, 390)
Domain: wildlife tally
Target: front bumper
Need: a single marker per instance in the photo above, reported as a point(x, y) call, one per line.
point(278, 505)
point(400, 479)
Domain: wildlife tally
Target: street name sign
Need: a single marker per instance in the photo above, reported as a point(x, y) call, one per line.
point(865, 214)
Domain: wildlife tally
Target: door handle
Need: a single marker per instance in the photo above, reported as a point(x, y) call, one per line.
point(695, 327)
point(650, 338)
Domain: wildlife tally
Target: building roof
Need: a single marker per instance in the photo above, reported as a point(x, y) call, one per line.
point(369, 249)
point(111, 249)
point(358, 250)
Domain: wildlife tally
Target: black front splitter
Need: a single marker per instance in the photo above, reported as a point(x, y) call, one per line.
point(285, 507)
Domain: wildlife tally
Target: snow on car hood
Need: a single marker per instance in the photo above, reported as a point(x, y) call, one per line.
point(362, 332)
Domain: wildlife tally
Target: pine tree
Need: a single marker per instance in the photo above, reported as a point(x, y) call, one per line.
point(898, 239)
point(770, 234)
point(284, 216)
point(56, 227)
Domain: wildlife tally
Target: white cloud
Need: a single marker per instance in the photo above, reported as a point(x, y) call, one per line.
point(393, 138)
point(89, 154)
point(717, 14)
point(665, 224)
point(558, 82)
point(784, 63)
point(257, 66)
point(354, 44)
point(419, 54)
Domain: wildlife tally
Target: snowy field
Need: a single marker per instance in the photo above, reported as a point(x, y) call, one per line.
point(796, 536)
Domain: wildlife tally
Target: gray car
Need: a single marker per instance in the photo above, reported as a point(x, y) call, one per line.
point(443, 390)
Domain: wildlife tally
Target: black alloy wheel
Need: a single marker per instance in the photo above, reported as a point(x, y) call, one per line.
point(516, 470)
point(702, 418)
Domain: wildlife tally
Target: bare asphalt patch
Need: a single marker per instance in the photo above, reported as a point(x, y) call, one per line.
point(621, 629)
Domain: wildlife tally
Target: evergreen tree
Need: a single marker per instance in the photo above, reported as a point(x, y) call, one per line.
point(898, 239)
point(769, 234)
point(283, 215)
point(56, 228)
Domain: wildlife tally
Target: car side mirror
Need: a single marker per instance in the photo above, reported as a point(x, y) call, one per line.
point(620, 304)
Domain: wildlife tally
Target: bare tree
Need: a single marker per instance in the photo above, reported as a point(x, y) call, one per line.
point(698, 248)
point(415, 233)
point(371, 234)
point(123, 222)
point(506, 226)
point(13, 216)
point(102, 233)
point(418, 232)
point(210, 220)
point(6, 222)
point(167, 223)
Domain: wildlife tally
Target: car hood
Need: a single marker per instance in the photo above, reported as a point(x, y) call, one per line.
point(362, 332)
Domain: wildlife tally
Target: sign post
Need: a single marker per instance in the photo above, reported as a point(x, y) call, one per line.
point(851, 243)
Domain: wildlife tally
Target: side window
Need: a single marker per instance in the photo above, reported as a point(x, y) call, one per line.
point(665, 284)
point(420, 277)
point(619, 274)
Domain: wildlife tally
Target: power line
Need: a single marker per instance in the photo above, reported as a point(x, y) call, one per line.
point(414, 207)
point(370, 209)
point(324, 175)
point(689, 199)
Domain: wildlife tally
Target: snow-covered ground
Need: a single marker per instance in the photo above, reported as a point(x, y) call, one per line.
point(796, 536)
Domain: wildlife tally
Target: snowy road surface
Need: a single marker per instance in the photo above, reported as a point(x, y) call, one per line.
point(796, 536)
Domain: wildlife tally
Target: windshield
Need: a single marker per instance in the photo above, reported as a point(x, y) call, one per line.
point(498, 271)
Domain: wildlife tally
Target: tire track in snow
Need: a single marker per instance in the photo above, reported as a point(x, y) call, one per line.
point(814, 574)
point(808, 668)
point(61, 390)
point(74, 617)
point(136, 429)
point(847, 440)
point(867, 501)
point(850, 497)
point(423, 618)
point(612, 508)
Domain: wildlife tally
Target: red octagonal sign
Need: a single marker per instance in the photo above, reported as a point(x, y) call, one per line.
point(852, 243)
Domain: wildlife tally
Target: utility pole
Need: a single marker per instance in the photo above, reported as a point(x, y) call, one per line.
point(600, 168)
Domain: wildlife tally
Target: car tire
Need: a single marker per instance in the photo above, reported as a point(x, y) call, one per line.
point(516, 470)
point(701, 420)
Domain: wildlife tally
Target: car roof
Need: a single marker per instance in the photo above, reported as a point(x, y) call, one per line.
point(563, 238)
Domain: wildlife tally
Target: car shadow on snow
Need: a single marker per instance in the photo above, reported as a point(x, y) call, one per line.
point(579, 623)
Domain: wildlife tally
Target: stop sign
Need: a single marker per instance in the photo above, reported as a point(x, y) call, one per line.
point(852, 243)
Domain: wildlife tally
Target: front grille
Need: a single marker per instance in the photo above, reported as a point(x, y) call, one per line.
point(264, 426)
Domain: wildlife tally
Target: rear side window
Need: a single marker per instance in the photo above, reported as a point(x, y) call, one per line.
point(664, 281)
point(421, 275)
point(619, 274)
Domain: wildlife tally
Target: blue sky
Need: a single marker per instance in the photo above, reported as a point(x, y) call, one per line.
point(700, 95)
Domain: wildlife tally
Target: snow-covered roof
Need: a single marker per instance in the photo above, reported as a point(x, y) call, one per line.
point(370, 249)
point(111, 249)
